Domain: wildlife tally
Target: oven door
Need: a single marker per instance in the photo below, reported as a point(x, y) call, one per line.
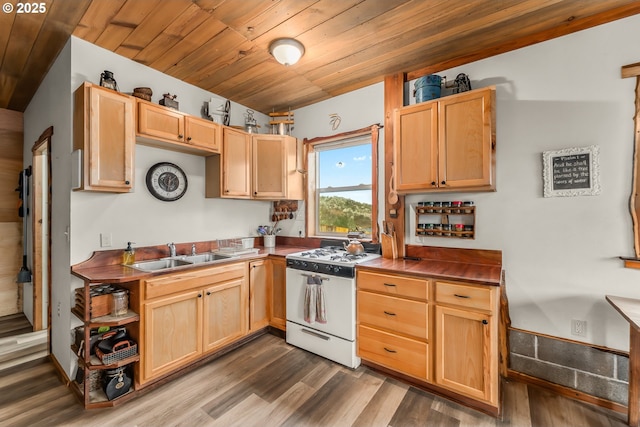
point(340, 303)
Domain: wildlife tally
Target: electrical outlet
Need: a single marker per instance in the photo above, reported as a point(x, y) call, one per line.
point(579, 327)
point(105, 240)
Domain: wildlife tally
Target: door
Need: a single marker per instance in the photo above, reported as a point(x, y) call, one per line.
point(415, 147)
point(466, 140)
point(173, 332)
point(236, 164)
point(258, 295)
point(464, 354)
point(111, 140)
point(203, 133)
point(225, 313)
point(278, 293)
point(269, 162)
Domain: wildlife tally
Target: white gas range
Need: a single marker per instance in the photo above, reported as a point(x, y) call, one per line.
point(321, 300)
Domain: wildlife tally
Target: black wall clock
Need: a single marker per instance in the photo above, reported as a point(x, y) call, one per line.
point(166, 181)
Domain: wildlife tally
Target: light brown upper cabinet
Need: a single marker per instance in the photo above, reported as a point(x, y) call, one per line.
point(254, 167)
point(274, 171)
point(446, 144)
point(104, 129)
point(163, 127)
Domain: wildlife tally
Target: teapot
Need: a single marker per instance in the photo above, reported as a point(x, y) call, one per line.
point(354, 247)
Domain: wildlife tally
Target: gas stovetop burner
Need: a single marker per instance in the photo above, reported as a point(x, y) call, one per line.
point(331, 258)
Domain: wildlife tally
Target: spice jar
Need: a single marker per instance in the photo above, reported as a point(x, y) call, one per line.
point(446, 229)
point(119, 302)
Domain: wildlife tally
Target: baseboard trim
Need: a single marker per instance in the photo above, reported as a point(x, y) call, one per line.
point(62, 375)
point(566, 391)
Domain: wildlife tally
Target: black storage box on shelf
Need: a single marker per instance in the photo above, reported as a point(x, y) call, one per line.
point(116, 382)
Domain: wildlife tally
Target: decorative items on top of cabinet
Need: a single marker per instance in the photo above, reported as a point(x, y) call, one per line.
point(168, 128)
point(446, 219)
point(255, 166)
point(446, 144)
point(104, 138)
point(466, 339)
point(106, 344)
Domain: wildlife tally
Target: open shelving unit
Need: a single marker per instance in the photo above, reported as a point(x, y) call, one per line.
point(431, 221)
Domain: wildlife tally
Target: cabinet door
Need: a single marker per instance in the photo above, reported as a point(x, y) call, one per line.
point(203, 133)
point(466, 353)
point(415, 147)
point(173, 333)
point(278, 294)
point(225, 313)
point(258, 295)
point(236, 164)
point(160, 122)
point(104, 128)
point(269, 167)
point(466, 138)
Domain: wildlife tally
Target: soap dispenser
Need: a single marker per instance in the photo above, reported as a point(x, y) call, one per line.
point(129, 255)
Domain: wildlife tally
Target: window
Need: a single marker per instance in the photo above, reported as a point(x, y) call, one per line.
point(342, 185)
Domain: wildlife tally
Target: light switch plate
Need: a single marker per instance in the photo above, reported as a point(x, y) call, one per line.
point(105, 240)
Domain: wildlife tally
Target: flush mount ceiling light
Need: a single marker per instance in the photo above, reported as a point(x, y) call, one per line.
point(286, 51)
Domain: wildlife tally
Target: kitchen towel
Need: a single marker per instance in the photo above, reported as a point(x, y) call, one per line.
point(314, 305)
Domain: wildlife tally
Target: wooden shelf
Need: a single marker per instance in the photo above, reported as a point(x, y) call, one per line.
point(467, 216)
point(98, 399)
point(108, 320)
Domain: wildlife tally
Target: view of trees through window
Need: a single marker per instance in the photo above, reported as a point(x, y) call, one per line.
point(344, 189)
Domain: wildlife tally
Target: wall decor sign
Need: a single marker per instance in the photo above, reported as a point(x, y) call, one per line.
point(571, 172)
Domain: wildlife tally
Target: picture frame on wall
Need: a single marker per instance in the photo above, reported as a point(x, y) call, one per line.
point(571, 172)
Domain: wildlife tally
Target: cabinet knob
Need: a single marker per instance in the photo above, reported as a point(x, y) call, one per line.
point(199, 295)
point(485, 322)
point(189, 139)
point(180, 136)
point(433, 183)
point(208, 293)
point(443, 182)
point(127, 182)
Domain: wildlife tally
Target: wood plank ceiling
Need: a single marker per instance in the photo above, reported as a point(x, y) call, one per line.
point(222, 45)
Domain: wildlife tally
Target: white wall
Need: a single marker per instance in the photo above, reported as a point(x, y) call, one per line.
point(560, 254)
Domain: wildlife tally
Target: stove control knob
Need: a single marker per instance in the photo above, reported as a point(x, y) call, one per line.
point(336, 268)
point(315, 267)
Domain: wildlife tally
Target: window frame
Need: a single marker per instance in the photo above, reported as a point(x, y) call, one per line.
point(312, 147)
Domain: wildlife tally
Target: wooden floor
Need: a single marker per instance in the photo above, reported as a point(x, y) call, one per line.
point(269, 383)
point(14, 324)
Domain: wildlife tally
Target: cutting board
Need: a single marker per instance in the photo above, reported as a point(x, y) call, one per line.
point(389, 247)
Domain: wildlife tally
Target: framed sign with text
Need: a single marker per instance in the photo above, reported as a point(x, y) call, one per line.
point(571, 172)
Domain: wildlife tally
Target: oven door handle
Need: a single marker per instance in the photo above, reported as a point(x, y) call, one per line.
point(314, 275)
point(315, 334)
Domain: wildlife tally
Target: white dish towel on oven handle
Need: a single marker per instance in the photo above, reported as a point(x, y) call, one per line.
point(314, 305)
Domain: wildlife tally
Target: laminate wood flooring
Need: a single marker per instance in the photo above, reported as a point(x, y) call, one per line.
point(14, 324)
point(268, 383)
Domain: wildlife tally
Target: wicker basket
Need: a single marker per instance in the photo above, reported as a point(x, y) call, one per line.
point(124, 353)
point(143, 93)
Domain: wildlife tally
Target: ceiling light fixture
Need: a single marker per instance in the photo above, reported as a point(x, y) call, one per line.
point(286, 51)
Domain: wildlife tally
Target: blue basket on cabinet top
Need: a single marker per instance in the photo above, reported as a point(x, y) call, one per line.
point(427, 87)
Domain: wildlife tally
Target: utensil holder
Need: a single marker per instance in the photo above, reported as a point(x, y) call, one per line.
point(269, 241)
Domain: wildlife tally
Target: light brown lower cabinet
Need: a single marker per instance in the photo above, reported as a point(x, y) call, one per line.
point(258, 294)
point(441, 333)
point(278, 293)
point(187, 314)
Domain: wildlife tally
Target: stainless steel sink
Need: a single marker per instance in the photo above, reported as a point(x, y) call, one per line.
point(206, 257)
point(160, 264)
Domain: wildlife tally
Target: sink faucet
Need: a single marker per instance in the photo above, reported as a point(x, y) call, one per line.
point(193, 249)
point(172, 249)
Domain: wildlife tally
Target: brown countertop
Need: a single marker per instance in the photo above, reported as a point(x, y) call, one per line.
point(435, 269)
point(93, 271)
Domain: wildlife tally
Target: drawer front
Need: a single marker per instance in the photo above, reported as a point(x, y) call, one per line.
point(190, 279)
point(394, 314)
point(479, 297)
point(393, 285)
point(404, 355)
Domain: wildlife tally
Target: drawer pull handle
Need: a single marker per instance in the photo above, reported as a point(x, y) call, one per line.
point(461, 296)
point(389, 350)
point(389, 313)
point(390, 284)
point(315, 334)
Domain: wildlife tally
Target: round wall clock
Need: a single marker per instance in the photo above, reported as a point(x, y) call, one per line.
point(166, 181)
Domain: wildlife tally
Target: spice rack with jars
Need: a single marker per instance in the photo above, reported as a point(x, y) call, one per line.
point(454, 219)
point(105, 307)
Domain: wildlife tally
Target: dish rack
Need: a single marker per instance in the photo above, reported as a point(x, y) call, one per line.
point(237, 246)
